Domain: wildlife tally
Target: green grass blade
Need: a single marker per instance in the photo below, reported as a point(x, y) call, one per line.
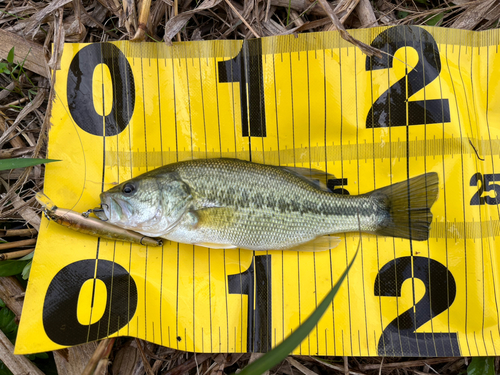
point(481, 366)
point(288, 12)
point(279, 353)
point(6, 164)
point(434, 19)
point(10, 56)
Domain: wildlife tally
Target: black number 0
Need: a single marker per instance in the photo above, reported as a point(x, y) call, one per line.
point(393, 107)
point(80, 95)
point(399, 337)
point(60, 318)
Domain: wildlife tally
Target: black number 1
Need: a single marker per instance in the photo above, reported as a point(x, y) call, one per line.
point(246, 68)
point(393, 107)
point(255, 282)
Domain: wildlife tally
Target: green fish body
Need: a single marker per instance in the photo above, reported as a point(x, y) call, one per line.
point(228, 203)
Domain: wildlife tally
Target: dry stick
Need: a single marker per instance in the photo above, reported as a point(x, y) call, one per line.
point(188, 365)
point(27, 213)
point(295, 18)
point(18, 232)
point(242, 19)
point(77, 10)
point(335, 367)
point(16, 254)
point(418, 362)
point(128, 15)
point(268, 7)
point(346, 364)
point(345, 8)
point(143, 21)
point(99, 352)
point(365, 14)
point(15, 152)
point(299, 366)
point(313, 24)
point(104, 362)
point(10, 289)
point(368, 50)
point(380, 369)
point(147, 366)
point(15, 102)
point(16, 141)
point(11, 245)
point(25, 49)
point(7, 90)
point(18, 364)
point(105, 28)
point(176, 13)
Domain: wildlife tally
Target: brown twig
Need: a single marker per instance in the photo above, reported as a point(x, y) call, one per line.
point(418, 362)
point(188, 365)
point(143, 21)
point(104, 361)
point(18, 364)
point(29, 232)
point(16, 254)
point(96, 357)
point(145, 361)
point(13, 245)
point(176, 12)
point(368, 50)
point(242, 19)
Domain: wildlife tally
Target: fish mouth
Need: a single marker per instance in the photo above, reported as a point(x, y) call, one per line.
point(114, 210)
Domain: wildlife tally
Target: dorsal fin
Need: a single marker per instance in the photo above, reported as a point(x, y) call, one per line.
point(315, 176)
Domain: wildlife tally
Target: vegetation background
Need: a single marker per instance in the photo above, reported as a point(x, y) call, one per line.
point(32, 37)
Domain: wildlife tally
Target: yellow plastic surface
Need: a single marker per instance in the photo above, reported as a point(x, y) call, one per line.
point(312, 97)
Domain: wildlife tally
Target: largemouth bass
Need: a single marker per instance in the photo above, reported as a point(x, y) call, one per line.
point(228, 203)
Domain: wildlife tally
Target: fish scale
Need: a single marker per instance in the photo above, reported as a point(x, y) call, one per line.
point(234, 203)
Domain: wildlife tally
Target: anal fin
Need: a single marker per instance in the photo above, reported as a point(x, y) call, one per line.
point(322, 243)
point(215, 245)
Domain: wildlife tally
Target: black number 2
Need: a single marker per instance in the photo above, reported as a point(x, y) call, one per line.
point(399, 337)
point(393, 107)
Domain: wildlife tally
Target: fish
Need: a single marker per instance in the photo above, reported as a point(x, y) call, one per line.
point(230, 203)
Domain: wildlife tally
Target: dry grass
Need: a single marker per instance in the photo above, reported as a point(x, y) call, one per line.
point(25, 106)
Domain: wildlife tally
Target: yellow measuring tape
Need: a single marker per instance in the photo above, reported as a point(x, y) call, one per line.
point(431, 103)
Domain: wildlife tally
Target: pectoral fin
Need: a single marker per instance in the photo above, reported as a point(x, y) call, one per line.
point(318, 244)
point(215, 219)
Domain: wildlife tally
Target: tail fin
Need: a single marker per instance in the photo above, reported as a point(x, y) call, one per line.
point(407, 205)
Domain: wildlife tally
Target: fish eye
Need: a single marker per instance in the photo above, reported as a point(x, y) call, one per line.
point(128, 189)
